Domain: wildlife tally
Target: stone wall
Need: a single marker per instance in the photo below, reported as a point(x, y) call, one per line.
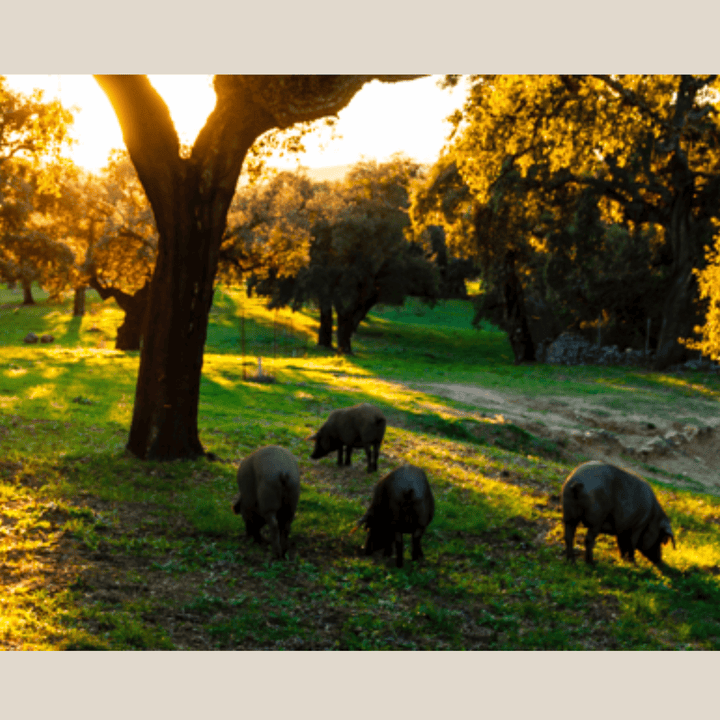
point(571, 349)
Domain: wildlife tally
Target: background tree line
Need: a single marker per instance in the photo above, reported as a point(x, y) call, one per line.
point(343, 247)
point(64, 227)
point(588, 202)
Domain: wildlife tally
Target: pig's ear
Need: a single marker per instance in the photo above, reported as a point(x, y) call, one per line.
point(311, 438)
point(360, 522)
point(236, 504)
point(667, 530)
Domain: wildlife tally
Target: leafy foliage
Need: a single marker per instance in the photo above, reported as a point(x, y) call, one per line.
point(269, 229)
point(280, 142)
point(340, 245)
point(573, 169)
point(125, 253)
point(709, 283)
point(190, 192)
point(32, 127)
point(29, 251)
point(32, 133)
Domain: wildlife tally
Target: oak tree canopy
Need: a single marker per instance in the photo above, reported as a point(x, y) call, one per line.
point(190, 195)
point(643, 149)
point(33, 131)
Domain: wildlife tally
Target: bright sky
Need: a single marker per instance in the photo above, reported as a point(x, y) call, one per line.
point(380, 120)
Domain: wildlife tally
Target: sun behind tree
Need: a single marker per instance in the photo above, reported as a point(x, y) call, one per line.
point(190, 198)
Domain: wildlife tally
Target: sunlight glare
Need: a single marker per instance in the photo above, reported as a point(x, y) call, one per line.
point(190, 98)
point(381, 120)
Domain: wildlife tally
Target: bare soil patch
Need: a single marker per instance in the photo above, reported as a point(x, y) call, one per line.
point(680, 438)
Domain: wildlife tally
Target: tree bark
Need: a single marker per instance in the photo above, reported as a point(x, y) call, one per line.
point(680, 312)
point(28, 298)
point(344, 333)
point(515, 314)
point(79, 301)
point(190, 199)
point(130, 332)
point(679, 317)
point(348, 320)
point(326, 325)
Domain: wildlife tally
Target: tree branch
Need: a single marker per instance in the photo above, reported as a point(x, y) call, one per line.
point(289, 99)
point(148, 131)
point(122, 298)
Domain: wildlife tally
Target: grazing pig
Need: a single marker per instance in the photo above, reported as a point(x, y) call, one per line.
point(402, 502)
point(354, 427)
point(269, 484)
point(610, 500)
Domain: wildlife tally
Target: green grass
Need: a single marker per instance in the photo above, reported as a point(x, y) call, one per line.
point(102, 551)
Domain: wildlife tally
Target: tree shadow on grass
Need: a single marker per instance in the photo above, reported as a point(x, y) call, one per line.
point(71, 335)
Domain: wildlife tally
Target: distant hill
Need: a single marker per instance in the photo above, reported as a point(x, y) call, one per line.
point(327, 174)
point(332, 173)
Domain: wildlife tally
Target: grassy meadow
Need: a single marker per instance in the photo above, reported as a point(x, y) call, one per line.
point(102, 551)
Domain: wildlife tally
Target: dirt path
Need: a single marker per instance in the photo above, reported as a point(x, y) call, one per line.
point(680, 437)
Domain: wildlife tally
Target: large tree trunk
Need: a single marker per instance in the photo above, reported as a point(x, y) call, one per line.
point(164, 422)
point(345, 327)
point(79, 301)
point(679, 318)
point(190, 199)
point(518, 328)
point(28, 298)
point(130, 332)
point(348, 320)
point(326, 325)
point(680, 312)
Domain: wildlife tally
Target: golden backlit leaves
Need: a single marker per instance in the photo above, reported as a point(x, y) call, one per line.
point(524, 144)
point(540, 119)
point(559, 122)
point(269, 227)
point(32, 134)
point(125, 248)
point(32, 127)
point(709, 284)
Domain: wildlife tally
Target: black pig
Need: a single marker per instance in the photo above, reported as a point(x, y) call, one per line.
point(402, 502)
point(361, 426)
point(269, 484)
point(610, 500)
